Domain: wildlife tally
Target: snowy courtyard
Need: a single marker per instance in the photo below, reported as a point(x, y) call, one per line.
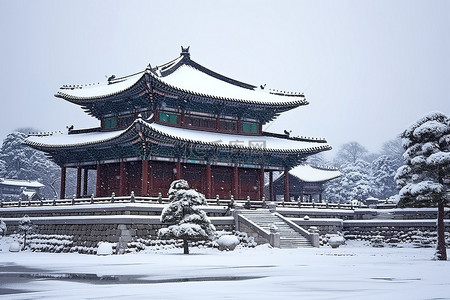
point(351, 271)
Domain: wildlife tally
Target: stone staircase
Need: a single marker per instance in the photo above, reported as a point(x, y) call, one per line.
point(289, 238)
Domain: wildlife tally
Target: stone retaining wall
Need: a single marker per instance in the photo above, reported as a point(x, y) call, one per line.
point(88, 231)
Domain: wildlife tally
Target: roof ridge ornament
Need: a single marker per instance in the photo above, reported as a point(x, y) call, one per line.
point(185, 51)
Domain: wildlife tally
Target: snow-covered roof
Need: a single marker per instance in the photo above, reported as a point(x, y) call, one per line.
point(188, 78)
point(181, 134)
point(308, 173)
point(235, 140)
point(21, 183)
point(100, 90)
point(64, 139)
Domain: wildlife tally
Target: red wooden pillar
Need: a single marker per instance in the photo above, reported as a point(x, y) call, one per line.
point(62, 194)
point(271, 186)
point(236, 182)
point(78, 192)
point(286, 185)
point(122, 179)
point(98, 184)
point(182, 115)
point(208, 178)
point(261, 183)
point(85, 180)
point(178, 170)
point(144, 191)
point(150, 179)
point(217, 123)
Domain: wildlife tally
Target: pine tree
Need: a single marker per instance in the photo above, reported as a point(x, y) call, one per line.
point(25, 227)
point(353, 184)
point(18, 161)
point(383, 170)
point(424, 178)
point(189, 222)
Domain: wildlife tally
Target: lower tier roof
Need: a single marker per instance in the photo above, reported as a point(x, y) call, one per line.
point(145, 138)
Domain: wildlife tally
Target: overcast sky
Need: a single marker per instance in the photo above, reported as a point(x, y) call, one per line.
point(368, 68)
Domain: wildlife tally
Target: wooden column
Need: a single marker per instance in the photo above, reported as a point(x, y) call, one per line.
point(236, 182)
point(98, 184)
point(62, 194)
point(85, 180)
point(178, 170)
point(286, 185)
point(208, 178)
point(150, 179)
point(271, 186)
point(78, 191)
point(261, 183)
point(217, 123)
point(122, 178)
point(144, 191)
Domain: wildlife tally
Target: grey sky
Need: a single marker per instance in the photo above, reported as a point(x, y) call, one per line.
point(368, 68)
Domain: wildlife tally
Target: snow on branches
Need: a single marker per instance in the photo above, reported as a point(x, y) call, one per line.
point(189, 223)
point(427, 160)
point(424, 178)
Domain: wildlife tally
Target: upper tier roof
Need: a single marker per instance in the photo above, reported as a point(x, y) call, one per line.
point(307, 173)
point(100, 90)
point(187, 78)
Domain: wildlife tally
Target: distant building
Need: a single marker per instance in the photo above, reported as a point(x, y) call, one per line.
point(14, 189)
point(305, 183)
point(178, 120)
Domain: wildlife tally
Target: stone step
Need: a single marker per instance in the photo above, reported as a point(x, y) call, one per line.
point(289, 238)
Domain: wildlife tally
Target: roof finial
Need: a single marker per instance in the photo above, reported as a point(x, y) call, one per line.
point(185, 51)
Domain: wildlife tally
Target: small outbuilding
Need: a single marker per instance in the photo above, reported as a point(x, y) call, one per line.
point(15, 189)
point(305, 183)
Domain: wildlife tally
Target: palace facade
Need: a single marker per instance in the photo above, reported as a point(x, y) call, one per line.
point(178, 120)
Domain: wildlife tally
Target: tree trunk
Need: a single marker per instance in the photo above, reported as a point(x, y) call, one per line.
point(185, 246)
point(441, 253)
point(24, 240)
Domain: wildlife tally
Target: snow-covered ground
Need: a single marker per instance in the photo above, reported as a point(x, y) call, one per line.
point(351, 271)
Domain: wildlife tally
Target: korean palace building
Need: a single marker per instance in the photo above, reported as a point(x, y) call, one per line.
point(178, 120)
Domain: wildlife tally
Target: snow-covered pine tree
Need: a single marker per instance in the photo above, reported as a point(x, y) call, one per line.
point(424, 178)
point(19, 161)
point(26, 227)
point(353, 184)
point(383, 170)
point(189, 223)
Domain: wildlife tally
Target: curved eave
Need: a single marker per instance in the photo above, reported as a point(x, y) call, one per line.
point(139, 125)
point(52, 147)
point(276, 105)
point(80, 100)
point(175, 139)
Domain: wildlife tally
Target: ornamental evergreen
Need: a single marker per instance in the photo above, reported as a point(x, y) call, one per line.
point(26, 227)
point(189, 223)
point(424, 178)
